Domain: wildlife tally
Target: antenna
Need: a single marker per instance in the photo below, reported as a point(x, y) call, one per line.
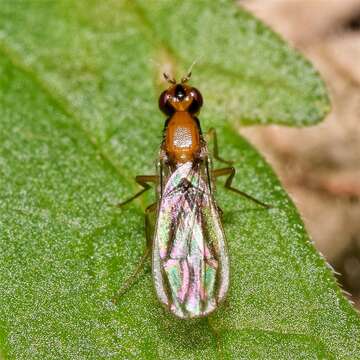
point(188, 75)
point(169, 79)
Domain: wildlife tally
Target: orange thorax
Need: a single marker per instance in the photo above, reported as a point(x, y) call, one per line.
point(182, 137)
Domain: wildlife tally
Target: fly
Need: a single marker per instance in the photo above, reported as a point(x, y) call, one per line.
point(190, 261)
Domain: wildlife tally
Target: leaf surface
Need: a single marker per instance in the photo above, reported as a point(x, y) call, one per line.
point(79, 119)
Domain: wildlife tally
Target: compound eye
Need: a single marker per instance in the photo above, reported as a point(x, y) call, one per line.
point(197, 102)
point(164, 103)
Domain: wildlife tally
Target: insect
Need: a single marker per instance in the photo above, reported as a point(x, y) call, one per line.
point(190, 261)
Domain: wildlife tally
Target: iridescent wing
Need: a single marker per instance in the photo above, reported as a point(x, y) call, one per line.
point(190, 259)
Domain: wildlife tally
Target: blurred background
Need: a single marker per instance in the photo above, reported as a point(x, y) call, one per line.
point(320, 166)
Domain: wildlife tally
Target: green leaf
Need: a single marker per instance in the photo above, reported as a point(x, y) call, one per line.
point(79, 118)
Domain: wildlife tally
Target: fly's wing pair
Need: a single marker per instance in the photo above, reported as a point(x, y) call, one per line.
point(190, 259)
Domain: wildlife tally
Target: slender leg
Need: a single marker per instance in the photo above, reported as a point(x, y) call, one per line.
point(140, 266)
point(148, 233)
point(211, 134)
point(133, 277)
point(142, 180)
point(220, 210)
point(230, 172)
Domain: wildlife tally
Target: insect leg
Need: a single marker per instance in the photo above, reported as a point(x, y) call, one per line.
point(140, 266)
point(230, 172)
point(211, 134)
point(142, 180)
point(151, 208)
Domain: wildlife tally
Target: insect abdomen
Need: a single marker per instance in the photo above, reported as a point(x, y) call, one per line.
point(190, 260)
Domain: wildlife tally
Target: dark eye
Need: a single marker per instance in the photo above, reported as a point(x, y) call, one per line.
point(197, 101)
point(164, 103)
